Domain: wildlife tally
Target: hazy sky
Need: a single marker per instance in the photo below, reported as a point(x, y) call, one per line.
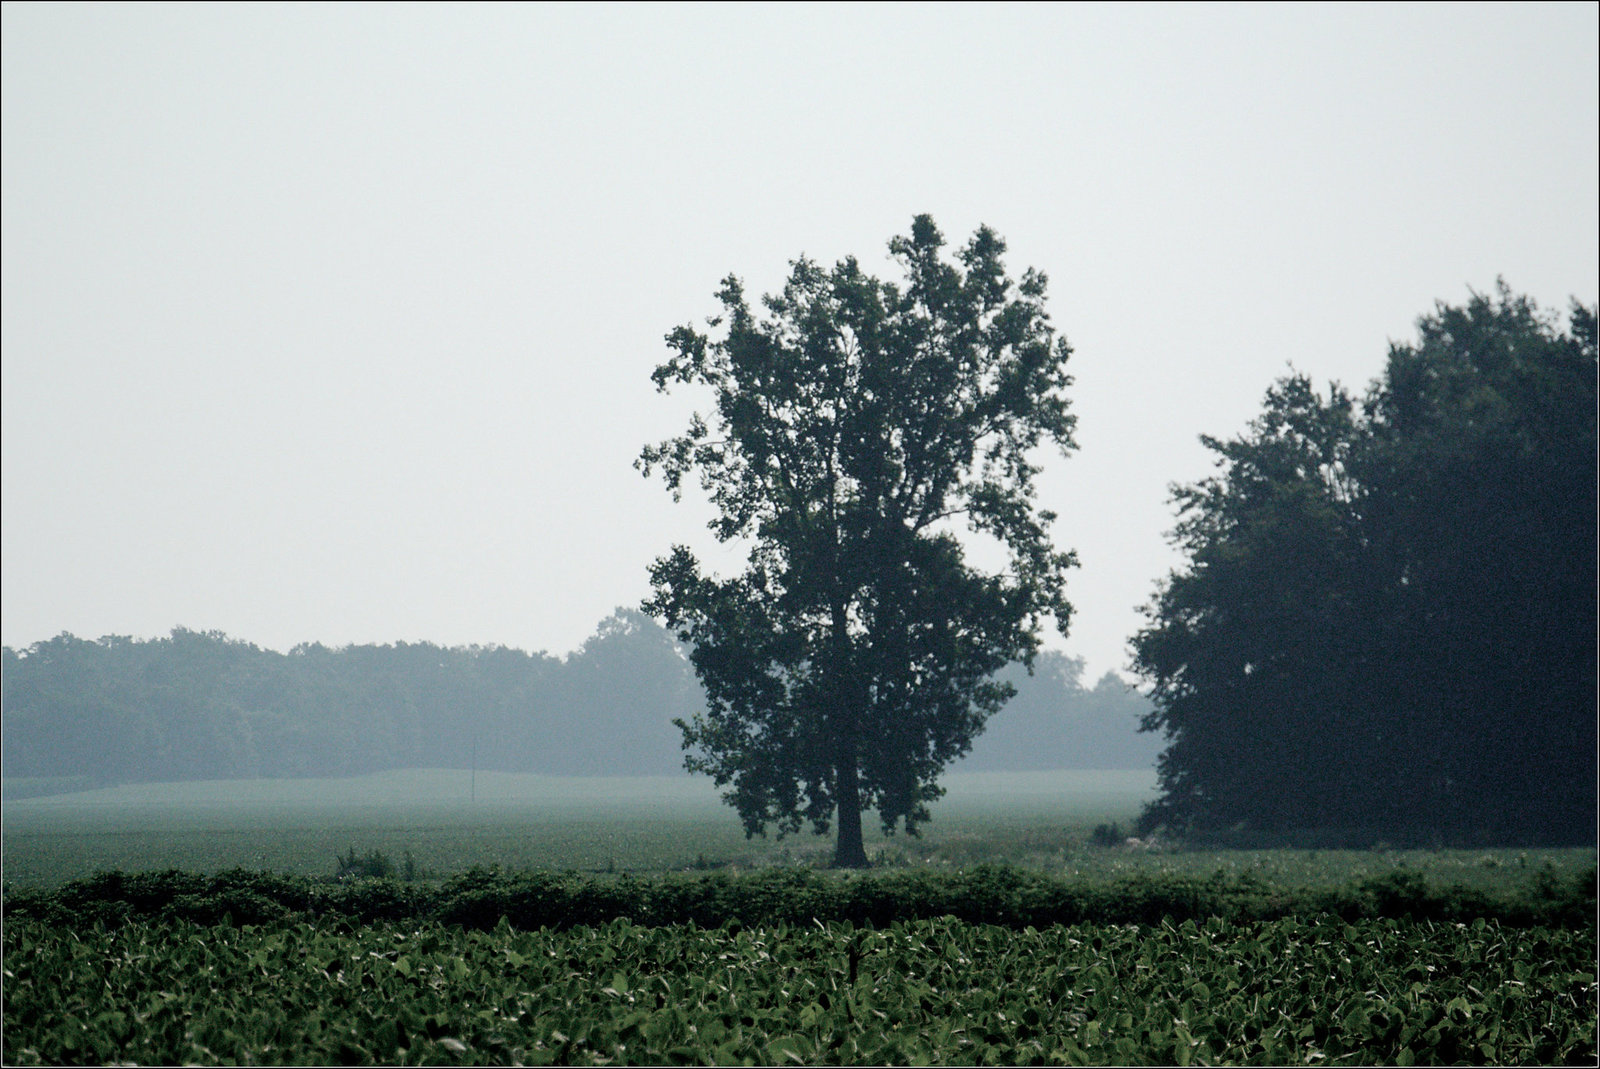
point(336, 324)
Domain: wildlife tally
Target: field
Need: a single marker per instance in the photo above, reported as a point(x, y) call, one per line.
point(1237, 957)
point(932, 992)
point(451, 821)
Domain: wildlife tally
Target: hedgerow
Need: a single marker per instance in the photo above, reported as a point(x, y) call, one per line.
point(995, 895)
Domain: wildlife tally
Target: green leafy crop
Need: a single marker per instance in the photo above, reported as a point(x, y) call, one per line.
point(941, 991)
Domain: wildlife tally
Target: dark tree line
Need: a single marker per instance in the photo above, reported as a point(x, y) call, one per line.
point(1386, 623)
point(203, 706)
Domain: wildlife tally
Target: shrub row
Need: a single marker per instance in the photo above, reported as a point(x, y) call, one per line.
point(987, 894)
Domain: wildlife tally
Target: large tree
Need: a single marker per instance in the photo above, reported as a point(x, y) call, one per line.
point(1480, 500)
point(1386, 623)
point(858, 428)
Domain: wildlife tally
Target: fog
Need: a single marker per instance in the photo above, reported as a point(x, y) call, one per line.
point(83, 714)
point(334, 323)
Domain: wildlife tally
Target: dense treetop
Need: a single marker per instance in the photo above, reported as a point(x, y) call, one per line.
point(1386, 622)
point(859, 428)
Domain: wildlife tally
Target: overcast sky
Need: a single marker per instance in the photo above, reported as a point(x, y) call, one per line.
point(336, 323)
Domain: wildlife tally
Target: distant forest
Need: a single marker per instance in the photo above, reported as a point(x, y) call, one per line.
point(200, 705)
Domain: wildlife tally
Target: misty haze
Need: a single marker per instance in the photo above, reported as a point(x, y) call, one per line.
point(725, 534)
point(83, 714)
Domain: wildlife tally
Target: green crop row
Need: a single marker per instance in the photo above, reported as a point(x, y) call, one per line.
point(998, 895)
point(932, 992)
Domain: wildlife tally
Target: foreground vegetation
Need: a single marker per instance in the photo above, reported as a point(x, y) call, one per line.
point(937, 991)
point(1001, 895)
point(989, 965)
point(1003, 935)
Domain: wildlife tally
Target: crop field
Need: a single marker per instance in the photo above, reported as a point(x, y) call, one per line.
point(1003, 936)
point(928, 992)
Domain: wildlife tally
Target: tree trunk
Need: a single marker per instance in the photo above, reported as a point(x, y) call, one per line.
point(848, 851)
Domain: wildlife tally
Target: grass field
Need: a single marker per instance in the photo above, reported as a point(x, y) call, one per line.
point(451, 821)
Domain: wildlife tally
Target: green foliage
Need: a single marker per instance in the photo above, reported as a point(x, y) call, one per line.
point(1386, 627)
point(374, 865)
point(853, 659)
point(938, 991)
point(986, 894)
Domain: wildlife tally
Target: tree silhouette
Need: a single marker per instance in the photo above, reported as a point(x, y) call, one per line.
point(1386, 625)
point(857, 428)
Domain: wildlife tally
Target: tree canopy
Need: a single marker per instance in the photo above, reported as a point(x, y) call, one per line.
point(857, 428)
point(1386, 623)
point(203, 706)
